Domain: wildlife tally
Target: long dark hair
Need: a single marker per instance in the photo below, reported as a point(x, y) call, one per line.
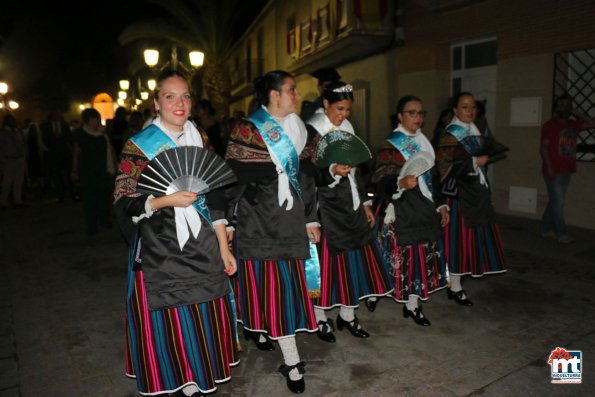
point(457, 98)
point(404, 100)
point(263, 85)
point(337, 92)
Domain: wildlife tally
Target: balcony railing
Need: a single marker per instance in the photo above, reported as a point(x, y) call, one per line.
point(244, 74)
point(347, 29)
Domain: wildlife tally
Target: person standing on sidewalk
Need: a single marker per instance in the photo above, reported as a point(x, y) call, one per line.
point(180, 320)
point(12, 161)
point(94, 165)
point(558, 154)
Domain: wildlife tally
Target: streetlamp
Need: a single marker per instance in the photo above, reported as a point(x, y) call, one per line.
point(3, 103)
point(196, 60)
point(124, 85)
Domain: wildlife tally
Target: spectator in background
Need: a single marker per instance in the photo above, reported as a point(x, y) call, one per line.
point(206, 119)
point(57, 140)
point(34, 154)
point(118, 129)
point(135, 124)
point(558, 154)
point(148, 117)
point(94, 166)
point(325, 77)
point(12, 159)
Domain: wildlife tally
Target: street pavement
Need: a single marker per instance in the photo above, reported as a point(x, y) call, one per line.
point(62, 299)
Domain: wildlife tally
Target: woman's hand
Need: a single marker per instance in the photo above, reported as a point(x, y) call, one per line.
point(444, 216)
point(481, 160)
point(313, 234)
point(178, 199)
point(341, 169)
point(370, 216)
point(409, 182)
point(226, 256)
point(229, 261)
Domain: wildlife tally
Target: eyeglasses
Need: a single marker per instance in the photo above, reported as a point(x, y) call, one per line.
point(415, 113)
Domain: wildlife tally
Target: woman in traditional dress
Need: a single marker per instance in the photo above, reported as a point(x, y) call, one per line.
point(276, 225)
point(350, 261)
point(180, 322)
point(473, 244)
point(412, 220)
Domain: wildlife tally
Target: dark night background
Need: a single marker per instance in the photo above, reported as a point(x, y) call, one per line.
point(63, 50)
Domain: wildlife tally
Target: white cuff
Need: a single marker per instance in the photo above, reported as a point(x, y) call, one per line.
point(148, 210)
point(312, 224)
point(230, 229)
point(220, 221)
point(443, 205)
point(368, 203)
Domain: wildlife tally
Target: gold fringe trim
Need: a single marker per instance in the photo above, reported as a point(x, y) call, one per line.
point(314, 293)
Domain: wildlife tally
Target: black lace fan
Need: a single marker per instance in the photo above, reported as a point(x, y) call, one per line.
point(478, 145)
point(187, 168)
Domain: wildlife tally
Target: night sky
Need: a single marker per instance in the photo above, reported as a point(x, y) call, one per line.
point(63, 50)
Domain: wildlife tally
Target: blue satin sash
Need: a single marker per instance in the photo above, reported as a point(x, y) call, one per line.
point(152, 141)
point(408, 147)
point(279, 143)
point(460, 132)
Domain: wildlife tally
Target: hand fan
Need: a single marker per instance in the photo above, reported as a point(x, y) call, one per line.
point(341, 147)
point(417, 164)
point(187, 168)
point(478, 145)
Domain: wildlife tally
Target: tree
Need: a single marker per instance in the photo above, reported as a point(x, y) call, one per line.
point(208, 25)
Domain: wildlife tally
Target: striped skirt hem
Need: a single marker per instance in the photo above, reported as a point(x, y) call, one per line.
point(474, 251)
point(348, 277)
point(272, 297)
point(169, 349)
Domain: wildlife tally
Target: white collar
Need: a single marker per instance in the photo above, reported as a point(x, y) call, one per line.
point(323, 124)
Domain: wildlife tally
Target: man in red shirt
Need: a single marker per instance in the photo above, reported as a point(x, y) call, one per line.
point(558, 152)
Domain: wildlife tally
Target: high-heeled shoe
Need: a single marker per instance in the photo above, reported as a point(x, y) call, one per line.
point(416, 315)
point(460, 297)
point(371, 304)
point(255, 336)
point(295, 386)
point(325, 331)
point(352, 327)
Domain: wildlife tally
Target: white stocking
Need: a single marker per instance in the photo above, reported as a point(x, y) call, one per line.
point(455, 282)
point(290, 355)
point(413, 302)
point(347, 313)
point(320, 315)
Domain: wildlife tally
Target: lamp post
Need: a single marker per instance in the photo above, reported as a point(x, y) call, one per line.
point(3, 91)
point(196, 60)
point(5, 104)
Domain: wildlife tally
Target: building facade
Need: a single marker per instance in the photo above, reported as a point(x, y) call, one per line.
point(513, 56)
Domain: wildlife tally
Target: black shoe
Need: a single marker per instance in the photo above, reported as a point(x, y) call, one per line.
point(352, 327)
point(326, 333)
point(296, 386)
point(458, 297)
point(255, 336)
point(416, 315)
point(370, 304)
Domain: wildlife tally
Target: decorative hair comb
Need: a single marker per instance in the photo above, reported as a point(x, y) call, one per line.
point(345, 88)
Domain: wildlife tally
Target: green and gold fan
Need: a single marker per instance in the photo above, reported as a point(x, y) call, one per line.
point(341, 147)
